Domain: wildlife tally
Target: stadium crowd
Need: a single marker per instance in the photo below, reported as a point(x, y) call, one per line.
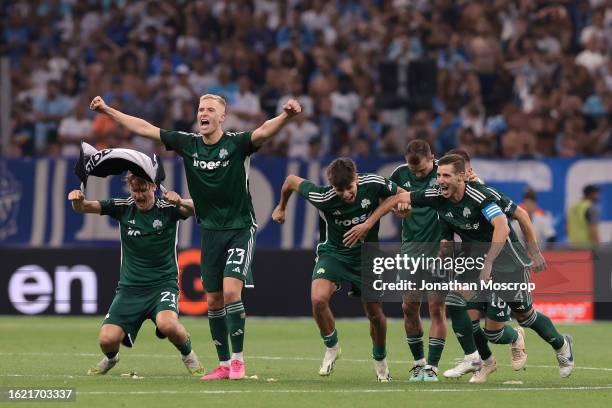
point(515, 78)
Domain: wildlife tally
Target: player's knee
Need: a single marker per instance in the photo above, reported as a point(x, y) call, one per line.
point(319, 304)
point(167, 326)
point(109, 340)
point(437, 311)
point(376, 318)
point(411, 309)
point(231, 295)
point(522, 315)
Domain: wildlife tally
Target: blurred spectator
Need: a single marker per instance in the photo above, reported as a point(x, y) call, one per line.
point(107, 132)
point(542, 221)
point(296, 92)
point(344, 100)
point(49, 110)
point(295, 139)
point(73, 129)
point(333, 130)
point(224, 86)
point(181, 92)
point(583, 218)
point(245, 113)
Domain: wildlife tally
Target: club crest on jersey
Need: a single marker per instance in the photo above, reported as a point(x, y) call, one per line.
point(157, 224)
point(466, 212)
point(223, 154)
point(365, 203)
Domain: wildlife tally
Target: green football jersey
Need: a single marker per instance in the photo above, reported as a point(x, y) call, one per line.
point(470, 219)
point(422, 225)
point(336, 217)
point(217, 177)
point(148, 241)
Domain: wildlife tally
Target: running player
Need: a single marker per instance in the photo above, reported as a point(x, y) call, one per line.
point(421, 235)
point(476, 218)
point(541, 324)
point(217, 166)
point(148, 286)
point(349, 200)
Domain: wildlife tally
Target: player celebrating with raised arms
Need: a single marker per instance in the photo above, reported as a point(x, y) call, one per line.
point(217, 165)
point(148, 286)
point(350, 199)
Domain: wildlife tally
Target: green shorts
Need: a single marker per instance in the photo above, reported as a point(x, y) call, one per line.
point(518, 300)
point(337, 271)
point(227, 253)
point(133, 305)
point(495, 309)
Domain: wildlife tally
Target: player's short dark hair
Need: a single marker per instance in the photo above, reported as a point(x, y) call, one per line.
point(416, 151)
point(455, 160)
point(341, 172)
point(460, 152)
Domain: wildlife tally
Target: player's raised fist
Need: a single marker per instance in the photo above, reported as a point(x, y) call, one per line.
point(292, 107)
point(76, 195)
point(278, 215)
point(172, 197)
point(97, 104)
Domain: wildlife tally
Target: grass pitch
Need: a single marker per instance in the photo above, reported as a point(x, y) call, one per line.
point(284, 354)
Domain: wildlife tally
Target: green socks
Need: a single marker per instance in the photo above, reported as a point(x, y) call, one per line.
point(506, 335)
point(235, 320)
point(185, 348)
point(436, 346)
point(331, 339)
point(379, 352)
point(416, 346)
point(541, 324)
point(482, 344)
point(462, 325)
point(218, 331)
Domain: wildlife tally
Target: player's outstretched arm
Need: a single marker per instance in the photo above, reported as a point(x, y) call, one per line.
point(501, 230)
point(539, 263)
point(133, 124)
point(184, 205)
point(81, 205)
point(271, 127)
point(291, 184)
point(401, 201)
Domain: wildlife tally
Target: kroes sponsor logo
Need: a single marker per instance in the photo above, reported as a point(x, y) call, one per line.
point(352, 221)
point(209, 165)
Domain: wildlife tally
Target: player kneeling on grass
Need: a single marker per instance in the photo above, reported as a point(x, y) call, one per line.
point(350, 200)
point(148, 287)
